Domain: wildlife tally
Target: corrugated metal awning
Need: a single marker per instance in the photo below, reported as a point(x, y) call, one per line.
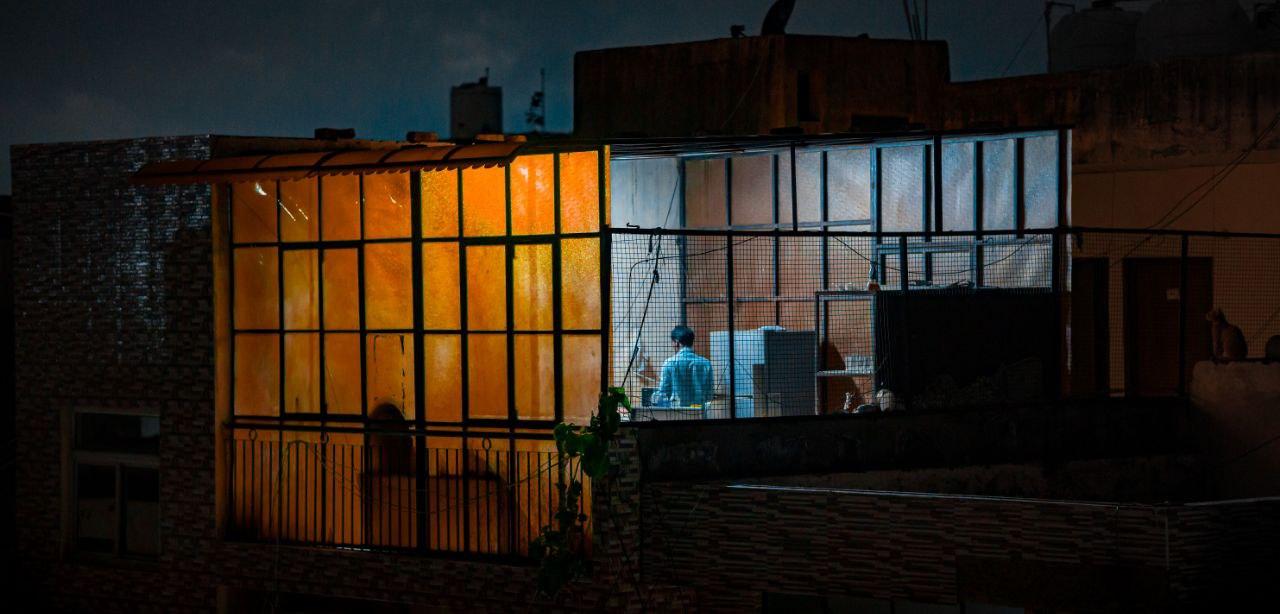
point(293, 166)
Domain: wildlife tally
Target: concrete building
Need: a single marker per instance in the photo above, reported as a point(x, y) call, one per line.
point(316, 375)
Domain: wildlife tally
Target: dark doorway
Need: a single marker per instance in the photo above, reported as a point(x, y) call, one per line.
point(1152, 302)
point(1090, 327)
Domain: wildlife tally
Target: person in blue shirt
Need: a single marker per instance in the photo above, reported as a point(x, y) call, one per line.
point(686, 377)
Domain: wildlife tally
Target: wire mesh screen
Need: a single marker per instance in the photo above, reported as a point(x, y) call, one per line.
point(805, 323)
point(1144, 307)
point(784, 324)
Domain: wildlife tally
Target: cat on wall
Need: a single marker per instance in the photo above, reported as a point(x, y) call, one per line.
point(1228, 340)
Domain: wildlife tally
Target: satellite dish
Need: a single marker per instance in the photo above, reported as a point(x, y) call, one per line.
point(775, 21)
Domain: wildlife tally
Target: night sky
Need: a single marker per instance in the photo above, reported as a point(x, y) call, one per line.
point(94, 70)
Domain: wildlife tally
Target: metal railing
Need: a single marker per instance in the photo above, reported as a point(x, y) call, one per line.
point(391, 491)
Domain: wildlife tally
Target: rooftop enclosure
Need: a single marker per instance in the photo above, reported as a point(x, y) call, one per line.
point(753, 85)
point(405, 327)
point(403, 340)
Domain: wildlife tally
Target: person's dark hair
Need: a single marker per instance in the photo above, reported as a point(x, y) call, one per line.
point(682, 335)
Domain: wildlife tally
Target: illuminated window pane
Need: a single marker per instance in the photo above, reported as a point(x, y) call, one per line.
point(808, 187)
point(998, 204)
point(387, 206)
point(849, 184)
point(752, 190)
point(388, 285)
point(340, 196)
point(440, 204)
point(579, 192)
point(531, 287)
point(341, 289)
point(253, 212)
point(486, 288)
point(704, 194)
point(342, 373)
point(257, 284)
point(533, 195)
point(441, 308)
point(487, 375)
point(902, 188)
point(580, 283)
point(443, 367)
point(298, 209)
point(302, 373)
point(257, 375)
point(581, 372)
point(535, 377)
point(957, 186)
point(301, 289)
point(1040, 178)
point(484, 201)
point(389, 371)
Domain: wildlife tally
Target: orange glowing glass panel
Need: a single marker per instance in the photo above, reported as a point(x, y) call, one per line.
point(486, 288)
point(301, 289)
point(340, 201)
point(389, 371)
point(484, 201)
point(441, 307)
point(257, 373)
point(342, 373)
point(440, 204)
point(531, 287)
point(580, 192)
point(341, 289)
point(388, 285)
point(580, 283)
point(387, 206)
point(581, 372)
point(256, 288)
point(487, 375)
point(443, 367)
point(533, 195)
point(253, 212)
point(299, 219)
point(302, 373)
point(535, 377)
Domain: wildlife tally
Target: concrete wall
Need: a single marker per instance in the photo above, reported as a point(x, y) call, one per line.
point(749, 85)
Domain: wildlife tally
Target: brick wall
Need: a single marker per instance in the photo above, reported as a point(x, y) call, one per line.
point(115, 309)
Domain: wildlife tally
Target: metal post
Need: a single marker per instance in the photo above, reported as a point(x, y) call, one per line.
point(904, 277)
point(729, 294)
point(419, 363)
point(1182, 315)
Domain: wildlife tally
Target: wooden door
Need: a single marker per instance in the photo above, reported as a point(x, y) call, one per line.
point(1152, 300)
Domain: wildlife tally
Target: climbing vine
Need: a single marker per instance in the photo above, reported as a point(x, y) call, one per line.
point(561, 547)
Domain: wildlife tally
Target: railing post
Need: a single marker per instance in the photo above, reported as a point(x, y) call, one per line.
point(1182, 316)
point(904, 278)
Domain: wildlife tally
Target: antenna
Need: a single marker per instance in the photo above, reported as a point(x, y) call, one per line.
point(536, 116)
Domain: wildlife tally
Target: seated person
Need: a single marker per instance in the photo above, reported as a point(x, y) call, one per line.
point(686, 377)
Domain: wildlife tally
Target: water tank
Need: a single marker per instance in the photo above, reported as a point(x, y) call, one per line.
point(1098, 37)
point(1182, 28)
point(1266, 21)
point(475, 108)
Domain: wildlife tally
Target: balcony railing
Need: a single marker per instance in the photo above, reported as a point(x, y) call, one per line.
point(391, 490)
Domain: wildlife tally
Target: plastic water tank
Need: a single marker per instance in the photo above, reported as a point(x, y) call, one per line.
point(1182, 28)
point(1266, 19)
point(1098, 37)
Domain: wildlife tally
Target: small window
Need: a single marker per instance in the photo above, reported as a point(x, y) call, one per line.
point(116, 484)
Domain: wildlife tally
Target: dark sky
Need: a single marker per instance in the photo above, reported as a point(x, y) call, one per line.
point(108, 69)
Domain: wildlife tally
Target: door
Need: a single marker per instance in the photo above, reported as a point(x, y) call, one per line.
point(1152, 300)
